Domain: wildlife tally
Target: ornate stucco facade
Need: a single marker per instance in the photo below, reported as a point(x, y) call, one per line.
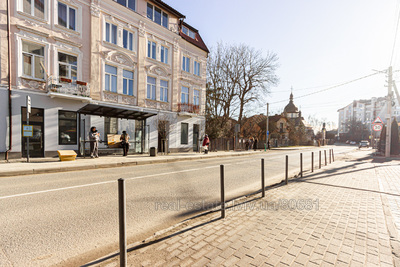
point(134, 57)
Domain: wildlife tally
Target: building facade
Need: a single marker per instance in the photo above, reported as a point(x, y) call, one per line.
point(365, 111)
point(118, 65)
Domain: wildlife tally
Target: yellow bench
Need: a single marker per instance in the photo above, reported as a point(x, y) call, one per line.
point(66, 155)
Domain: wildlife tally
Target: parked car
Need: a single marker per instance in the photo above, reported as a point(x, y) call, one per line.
point(353, 142)
point(364, 144)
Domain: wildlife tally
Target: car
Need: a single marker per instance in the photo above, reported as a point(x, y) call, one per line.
point(353, 142)
point(364, 144)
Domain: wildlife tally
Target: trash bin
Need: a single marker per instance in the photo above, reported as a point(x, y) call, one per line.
point(153, 152)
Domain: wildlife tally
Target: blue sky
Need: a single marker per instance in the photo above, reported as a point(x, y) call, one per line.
point(319, 44)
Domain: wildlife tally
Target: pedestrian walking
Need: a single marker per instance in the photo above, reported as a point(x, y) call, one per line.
point(124, 143)
point(94, 138)
point(255, 144)
point(206, 144)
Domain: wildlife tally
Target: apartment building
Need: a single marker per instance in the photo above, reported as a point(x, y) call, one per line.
point(118, 65)
point(365, 111)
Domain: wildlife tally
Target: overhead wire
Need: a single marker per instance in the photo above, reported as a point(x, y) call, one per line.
point(395, 38)
point(329, 88)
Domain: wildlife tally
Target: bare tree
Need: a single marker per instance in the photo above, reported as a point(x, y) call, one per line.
point(164, 128)
point(254, 75)
point(237, 76)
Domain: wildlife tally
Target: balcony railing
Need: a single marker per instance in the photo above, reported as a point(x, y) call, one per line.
point(68, 87)
point(189, 108)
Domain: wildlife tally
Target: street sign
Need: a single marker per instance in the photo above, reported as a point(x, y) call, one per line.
point(377, 120)
point(27, 131)
point(377, 127)
point(268, 132)
point(28, 104)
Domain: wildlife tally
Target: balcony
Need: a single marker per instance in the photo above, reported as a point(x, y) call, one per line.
point(67, 88)
point(188, 109)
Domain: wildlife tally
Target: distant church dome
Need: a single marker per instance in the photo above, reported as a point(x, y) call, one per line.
point(291, 108)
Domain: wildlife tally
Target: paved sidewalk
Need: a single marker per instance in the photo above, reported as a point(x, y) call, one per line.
point(347, 214)
point(51, 165)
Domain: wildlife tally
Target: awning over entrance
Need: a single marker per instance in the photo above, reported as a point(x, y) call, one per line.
point(115, 111)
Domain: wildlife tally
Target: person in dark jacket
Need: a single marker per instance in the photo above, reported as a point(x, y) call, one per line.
point(206, 143)
point(94, 138)
point(125, 142)
point(255, 144)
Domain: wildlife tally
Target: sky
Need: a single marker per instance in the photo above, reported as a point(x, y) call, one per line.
point(319, 44)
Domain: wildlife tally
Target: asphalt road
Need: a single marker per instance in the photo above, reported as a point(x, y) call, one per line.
point(71, 218)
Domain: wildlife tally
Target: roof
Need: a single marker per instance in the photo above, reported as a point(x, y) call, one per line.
point(276, 118)
point(168, 8)
point(115, 111)
point(291, 107)
point(198, 41)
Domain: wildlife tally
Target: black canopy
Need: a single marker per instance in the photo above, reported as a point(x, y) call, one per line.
point(115, 111)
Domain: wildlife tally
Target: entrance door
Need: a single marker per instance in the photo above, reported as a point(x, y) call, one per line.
point(36, 142)
point(196, 130)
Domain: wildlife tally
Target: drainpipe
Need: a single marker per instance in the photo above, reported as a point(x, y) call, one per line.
point(9, 80)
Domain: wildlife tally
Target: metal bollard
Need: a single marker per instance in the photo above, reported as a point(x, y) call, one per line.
point(333, 156)
point(122, 223)
point(287, 169)
point(312, 161)
point(320, 159)
point(330, 156)
point(262, 178)
point(325, 158)
point(301, 164)
point(222, 191)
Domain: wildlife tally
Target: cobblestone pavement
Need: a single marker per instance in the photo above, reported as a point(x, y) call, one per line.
point(348, 214)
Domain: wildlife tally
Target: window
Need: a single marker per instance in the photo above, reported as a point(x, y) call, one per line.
point(157, 15)
point(196, 68)
point(67, 66)
point(184, 95)
point(188, 32)
point(164, 54)
point(127, 40)
point(196, 97)
point(110, 127)
point(163, 90)
point(66, 16)
point(151, 49)
point(186, 64)
point(128, 82)
point(33, 57)
point(128, 3)
point(67, 125)
point(110, 79)
point(184, 133)
point(35, 9)
point(111, 33)
point(151, 88)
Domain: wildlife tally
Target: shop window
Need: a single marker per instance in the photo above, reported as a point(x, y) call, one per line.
point(67, 127)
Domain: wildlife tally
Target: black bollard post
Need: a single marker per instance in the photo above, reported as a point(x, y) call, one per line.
point(122, 223)
point(333, 156)
point(262, 178)
point(301, 164)
point(325, 158)
point(320, 159)
point(287, 169)
point(222, 191)
point(312, 161)
point(330, 156)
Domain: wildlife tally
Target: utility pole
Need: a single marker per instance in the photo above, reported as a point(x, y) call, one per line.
point(267, 131)
point(389, 113)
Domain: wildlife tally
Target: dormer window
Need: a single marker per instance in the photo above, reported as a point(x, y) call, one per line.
point(188, 32)
point(157, 15)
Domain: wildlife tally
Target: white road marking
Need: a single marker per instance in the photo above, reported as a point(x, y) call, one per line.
point(133, 178)
point(107, 182)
